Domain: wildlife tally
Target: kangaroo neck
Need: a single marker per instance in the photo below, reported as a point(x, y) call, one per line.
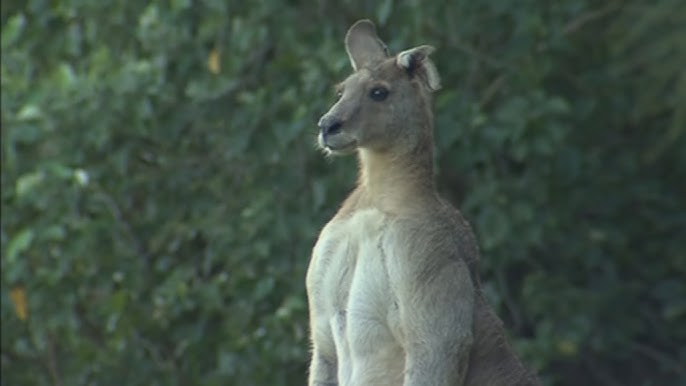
point(396, 181)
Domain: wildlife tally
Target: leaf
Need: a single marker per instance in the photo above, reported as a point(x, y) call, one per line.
point(29, 113)
point(81, 177)
point(19, 244)
point(263, 288)
point(18, 296)
point(12, 30)
point(28, 182)
point(65, 76)
point(214, 62)
point(567, 347)
point(384, 11)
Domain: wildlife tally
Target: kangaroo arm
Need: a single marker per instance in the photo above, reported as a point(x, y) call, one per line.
point(437, 320)
point(322, 371)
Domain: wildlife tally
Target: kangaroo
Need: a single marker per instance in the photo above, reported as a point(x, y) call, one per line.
point(393, 289)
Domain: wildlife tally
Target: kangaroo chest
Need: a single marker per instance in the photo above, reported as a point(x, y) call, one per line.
point(354, 311)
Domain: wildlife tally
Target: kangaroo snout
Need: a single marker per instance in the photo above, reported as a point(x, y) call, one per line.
point(329, 125)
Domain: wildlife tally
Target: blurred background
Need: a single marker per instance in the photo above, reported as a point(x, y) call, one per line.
point(161, 190)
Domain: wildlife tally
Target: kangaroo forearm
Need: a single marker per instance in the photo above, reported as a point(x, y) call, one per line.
point(430, 376)
point(437, 378)
point(314, 381)
point(437, 367)
point(322, 372)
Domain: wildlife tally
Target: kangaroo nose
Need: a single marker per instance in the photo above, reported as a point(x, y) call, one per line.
point(330, 125)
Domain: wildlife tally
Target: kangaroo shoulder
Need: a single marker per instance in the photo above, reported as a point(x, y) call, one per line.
point(433, 240)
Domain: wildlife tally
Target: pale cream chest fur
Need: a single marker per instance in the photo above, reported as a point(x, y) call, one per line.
point(355, 312)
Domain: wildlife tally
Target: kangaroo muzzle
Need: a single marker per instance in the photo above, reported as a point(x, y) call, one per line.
point(330, 125)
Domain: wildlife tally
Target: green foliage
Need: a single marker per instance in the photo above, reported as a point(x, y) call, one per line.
point(161, 191)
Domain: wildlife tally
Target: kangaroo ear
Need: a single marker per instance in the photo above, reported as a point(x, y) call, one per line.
point(363, 45)
point(416, 62)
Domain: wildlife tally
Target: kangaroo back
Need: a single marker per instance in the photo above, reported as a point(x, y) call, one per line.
point(492, 361)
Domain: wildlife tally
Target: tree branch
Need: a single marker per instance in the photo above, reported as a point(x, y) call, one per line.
point(588, 17)
point(53, 365)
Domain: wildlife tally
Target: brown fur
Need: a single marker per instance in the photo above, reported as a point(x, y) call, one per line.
point(393, 284)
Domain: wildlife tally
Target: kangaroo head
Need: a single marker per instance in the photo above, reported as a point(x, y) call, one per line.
point(386, 103)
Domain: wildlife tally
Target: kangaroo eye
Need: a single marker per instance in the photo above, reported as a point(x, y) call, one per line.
point(378, 94)
point(339, 94)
